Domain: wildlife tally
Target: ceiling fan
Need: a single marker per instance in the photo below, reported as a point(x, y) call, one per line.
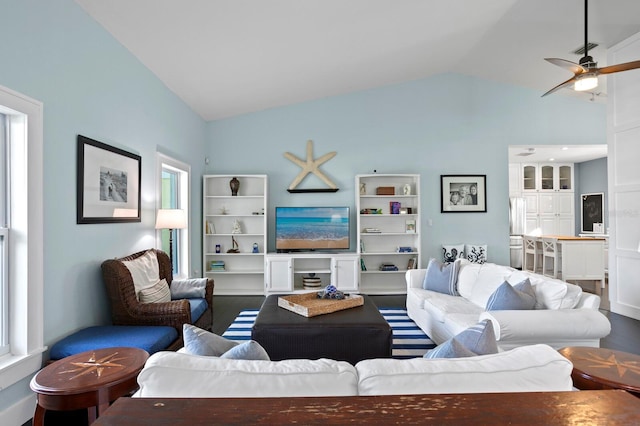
point(586, 71)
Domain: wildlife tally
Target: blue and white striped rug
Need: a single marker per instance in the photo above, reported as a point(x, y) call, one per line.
point(409, 341)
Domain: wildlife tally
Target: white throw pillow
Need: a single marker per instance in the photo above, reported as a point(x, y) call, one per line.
point(158, 293)
point(144, 271)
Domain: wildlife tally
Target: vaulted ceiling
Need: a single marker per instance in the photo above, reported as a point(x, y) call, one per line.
point(230, 57)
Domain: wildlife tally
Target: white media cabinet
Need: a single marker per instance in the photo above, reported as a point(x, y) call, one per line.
point(284, 271)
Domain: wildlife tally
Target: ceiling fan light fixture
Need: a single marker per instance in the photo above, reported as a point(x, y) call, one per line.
point(584, 82)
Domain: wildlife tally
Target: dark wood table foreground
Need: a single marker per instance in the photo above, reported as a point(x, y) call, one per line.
point(90, 380)
point(600, 368)
point(612, 407)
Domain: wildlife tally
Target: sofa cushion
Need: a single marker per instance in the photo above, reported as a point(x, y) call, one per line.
point(144, 270)
point(205, 343)
point(441, 277)
point(488, 278)
point(197, 308)
point(452, 252)
point(534, 368)
point(181, 375)
point(157, 293)
point(550, 293)
point(517, 297)
point(439, 305)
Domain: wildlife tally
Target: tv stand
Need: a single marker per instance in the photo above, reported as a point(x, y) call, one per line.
point(284, 271)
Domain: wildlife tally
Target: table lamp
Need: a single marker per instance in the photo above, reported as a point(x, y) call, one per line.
point(171, 219)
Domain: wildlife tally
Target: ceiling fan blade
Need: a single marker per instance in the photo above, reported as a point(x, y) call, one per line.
point(568, 65)
point(561, 85)
point(620, 67)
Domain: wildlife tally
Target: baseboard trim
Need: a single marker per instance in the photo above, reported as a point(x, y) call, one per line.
point(20, 412)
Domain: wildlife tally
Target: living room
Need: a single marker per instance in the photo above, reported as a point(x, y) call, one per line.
point(90, 84)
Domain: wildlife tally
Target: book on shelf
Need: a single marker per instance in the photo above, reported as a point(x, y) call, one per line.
point(210, 229)
point(413, 263)
point(361, 246)
point(363, 267)
point(394, 207)
point(410, 226)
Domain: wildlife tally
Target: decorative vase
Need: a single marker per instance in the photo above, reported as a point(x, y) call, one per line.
point(235, 185)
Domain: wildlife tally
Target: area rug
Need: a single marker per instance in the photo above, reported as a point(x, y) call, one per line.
point(409, 341)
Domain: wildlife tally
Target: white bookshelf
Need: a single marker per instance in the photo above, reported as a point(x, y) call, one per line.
point(380, 232)
point(243, 272)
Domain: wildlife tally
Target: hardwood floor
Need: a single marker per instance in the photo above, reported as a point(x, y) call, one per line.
point(624, 336)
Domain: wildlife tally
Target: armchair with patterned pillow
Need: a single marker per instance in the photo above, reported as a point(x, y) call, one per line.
point(142, 292)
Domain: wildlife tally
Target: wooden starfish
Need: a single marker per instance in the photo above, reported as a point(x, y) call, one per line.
point(310, 166)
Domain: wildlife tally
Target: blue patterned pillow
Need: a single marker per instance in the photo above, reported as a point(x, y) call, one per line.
point(478, 340)
point(442, 278)
point(518, 297)
point(202, 342)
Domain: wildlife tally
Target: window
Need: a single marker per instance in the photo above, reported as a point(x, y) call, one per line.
point(173, 193)
point(21, 237)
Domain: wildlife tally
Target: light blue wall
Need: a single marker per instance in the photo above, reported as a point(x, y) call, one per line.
point(89, 84)
point(447, 124)
point(591, 177)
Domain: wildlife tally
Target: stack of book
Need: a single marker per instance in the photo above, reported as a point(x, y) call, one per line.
point(388, 267)
point(216, 265)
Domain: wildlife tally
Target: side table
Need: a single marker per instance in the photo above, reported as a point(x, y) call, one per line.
point(89, 380)
point(600, 368)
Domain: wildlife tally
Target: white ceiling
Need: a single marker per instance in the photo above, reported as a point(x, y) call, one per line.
point(230, 57)
point(556, 153)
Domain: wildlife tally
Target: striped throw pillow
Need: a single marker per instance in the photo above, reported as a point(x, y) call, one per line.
point(157, 293)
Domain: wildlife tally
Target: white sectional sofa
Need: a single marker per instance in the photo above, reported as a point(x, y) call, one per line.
point(525, 369)
point(564, 315)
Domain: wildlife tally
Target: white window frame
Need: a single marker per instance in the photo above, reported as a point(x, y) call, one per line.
point(26, 237)
point(184, 202)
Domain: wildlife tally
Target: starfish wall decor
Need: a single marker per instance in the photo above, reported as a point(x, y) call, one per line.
point(311, 165)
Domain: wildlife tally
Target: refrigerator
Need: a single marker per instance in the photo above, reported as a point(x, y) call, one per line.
point(517, 222)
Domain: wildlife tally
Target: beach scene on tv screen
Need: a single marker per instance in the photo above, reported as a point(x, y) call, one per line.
point(300, 228)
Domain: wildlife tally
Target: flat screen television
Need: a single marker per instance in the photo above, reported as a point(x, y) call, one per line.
point(312, 228)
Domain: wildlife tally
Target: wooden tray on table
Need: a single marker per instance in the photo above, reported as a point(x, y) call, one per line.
point(309, 305)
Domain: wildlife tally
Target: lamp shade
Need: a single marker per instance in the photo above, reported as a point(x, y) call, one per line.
point(171, 219)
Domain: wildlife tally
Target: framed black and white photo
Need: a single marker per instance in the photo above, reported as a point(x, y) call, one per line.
point(463, 193)
point(108, 183)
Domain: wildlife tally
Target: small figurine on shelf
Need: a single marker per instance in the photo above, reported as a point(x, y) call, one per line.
point(234, 245)
point(234, 184)
point(236, 227)
point(255, 248)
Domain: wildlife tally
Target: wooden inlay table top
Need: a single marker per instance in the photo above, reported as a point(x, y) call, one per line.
point(89, 379)
point(612, 407)
point(600, 368)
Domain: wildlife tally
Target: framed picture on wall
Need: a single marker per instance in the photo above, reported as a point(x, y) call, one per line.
point(463, 193)
point(108, 183)
point(592, 212)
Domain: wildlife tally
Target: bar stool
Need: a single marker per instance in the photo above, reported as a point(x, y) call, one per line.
point(550, 258)
point(532, 253)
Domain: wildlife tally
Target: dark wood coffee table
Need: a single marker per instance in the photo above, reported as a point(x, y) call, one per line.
point(349, 335)
point(600, 368)
point(612, 407)
point(89, 379)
